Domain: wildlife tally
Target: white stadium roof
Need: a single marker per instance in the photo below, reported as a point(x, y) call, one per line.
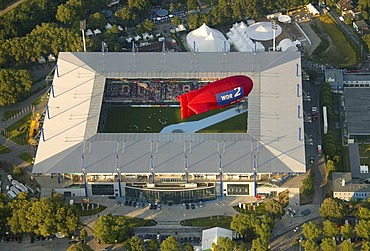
point(207, 40)
point(273, 125)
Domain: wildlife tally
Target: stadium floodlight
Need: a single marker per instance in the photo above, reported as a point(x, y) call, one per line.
point(82, 28)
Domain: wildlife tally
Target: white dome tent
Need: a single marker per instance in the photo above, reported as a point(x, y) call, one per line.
point(287, 45)
point(262, 31)
point(207, 40)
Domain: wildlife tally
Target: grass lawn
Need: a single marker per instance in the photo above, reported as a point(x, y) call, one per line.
point(26, 157)
point(125, 120)
point(344, 53)
point(4, 149)
point(364, 150)
point(8, 114)
point(138, 222)
point(209, 222)
point(18, 132)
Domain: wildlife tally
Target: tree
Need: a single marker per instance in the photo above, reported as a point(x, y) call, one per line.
point(170, 244)
point(346, 231)
point(310, 245)
point(274, 208)
point(330, 229)
point(126, 17)
point(149, 25)
point(17, 170)
point(152, 245)
point(192, 5)
point(347, 246)
point(193, 21)
point(363, 213)
point(83, 234)
point(366, 39)
point(307, 184)
point(14, 83)
point(330, 167)
point(109, 229)
point(330, 149)
point(223, 243)
point(328, 244)
point(136, 244)
point(263, 231)
point(188, 247)
point(311, 231)
point(259, 245)
point(176, 21)
point(363, 229)
point(66, 13)
point(79, 247)
point(245, 225)
point(97, 21)
point(365, 246)
point(171, 8)
point(333, 208)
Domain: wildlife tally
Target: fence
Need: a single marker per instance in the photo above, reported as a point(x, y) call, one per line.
point(16, 117)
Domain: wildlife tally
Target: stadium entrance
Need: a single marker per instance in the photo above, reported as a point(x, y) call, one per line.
point(165, 196)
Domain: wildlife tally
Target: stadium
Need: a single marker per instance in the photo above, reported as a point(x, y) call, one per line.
point(112, 126)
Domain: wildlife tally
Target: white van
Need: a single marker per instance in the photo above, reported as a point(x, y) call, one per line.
point(319, 149)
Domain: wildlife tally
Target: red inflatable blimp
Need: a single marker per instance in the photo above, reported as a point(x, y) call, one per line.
point(218, 94)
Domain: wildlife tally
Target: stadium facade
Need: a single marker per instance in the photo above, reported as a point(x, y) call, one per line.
point(175, 167)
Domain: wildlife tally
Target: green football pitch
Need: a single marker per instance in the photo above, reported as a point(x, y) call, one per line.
point(154, 119)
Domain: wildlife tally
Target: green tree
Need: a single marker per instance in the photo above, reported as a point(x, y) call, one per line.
point(109, 229)
point(310, 245)
point(366, 39)
point(330, 229)
point(263, 231)
point(192, 4)
point(79, 247)
point(17, 170)
point(66, 13)
point(330, 167)
point(136, 244)
point(347, 246)
point(274, 208)
point(193, 21)
point(259, 245)
point(363, 229)
point(14, 84)
point(170, 244)
point(311, 231)
point(149, 25)
point(245, 225)
point(126, 17)
point(307, 185)
point(171, 8)
point(83, 234)
point(363, 213)
point(365, 246)
point(328, 244)
point(152, 245)
point(188, 247)
point(223, 243)
point(97, 21)
point(176, 21)
point(346, 230)
point(333, 208)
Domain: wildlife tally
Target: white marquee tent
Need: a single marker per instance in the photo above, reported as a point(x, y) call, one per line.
point(262, 31)
point(207, 40)
point(239, 38)
point(287, 45)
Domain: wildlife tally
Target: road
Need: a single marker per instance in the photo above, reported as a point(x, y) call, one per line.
point(286, 241)
point(10, 7)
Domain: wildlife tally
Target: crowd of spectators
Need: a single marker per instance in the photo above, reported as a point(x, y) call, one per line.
point(152, 91)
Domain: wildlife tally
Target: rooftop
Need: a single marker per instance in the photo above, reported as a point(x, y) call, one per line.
point(72, 142)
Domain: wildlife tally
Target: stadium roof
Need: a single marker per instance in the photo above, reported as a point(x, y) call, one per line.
point(357, 101)
point(72, 140)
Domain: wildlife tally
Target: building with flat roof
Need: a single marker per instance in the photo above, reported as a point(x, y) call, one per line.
point(345, 188)
point(150, 166)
